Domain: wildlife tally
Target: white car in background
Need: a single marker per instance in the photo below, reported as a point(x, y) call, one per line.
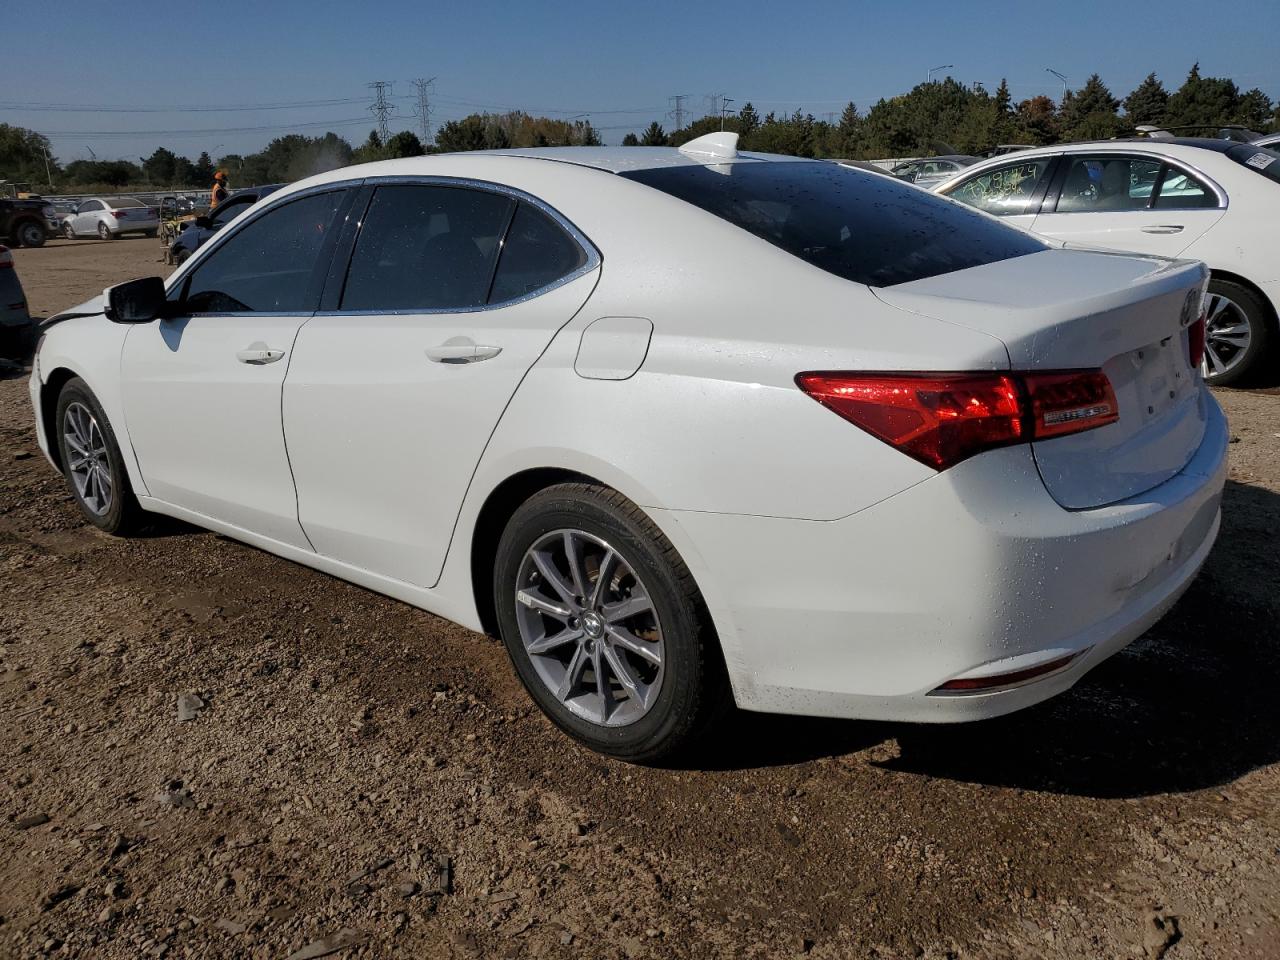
point(1211, 200)
point(674, 424)
point(1271, 140)
point(109, 217)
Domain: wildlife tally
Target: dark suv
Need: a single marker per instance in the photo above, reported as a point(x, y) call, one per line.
point(25, 223)
point(196, 232)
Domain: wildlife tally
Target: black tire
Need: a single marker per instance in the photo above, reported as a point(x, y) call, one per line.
point(1261, 320)
point(68, 231)
point(29, 234)
point(182, 256)
point(123, 516)
point(694, 690)
point(104, 232)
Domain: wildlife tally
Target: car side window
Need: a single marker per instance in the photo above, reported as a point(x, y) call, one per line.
point(89, 206)
point(1181, 191)
point(1004, 191)
point(1108, 183)
point(270, 264)
point(537, 252)
point(425, 247)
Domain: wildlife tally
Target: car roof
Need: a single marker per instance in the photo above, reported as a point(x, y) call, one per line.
point(625, 159)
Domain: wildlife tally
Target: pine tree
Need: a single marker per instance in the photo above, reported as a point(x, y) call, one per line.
point(654, 136)
point(1090, 112)
point(1148, 103)
point(631, 140)
point(748, 121)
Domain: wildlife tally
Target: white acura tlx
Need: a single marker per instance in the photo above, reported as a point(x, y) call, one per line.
point(681, 427)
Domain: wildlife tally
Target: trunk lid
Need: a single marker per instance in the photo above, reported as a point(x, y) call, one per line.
point(1073, 309)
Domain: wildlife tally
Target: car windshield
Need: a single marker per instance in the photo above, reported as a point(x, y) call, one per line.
point(859, 226)
point(1264, 160)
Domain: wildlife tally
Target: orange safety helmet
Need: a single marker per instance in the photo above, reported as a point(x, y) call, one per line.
point(219, 175)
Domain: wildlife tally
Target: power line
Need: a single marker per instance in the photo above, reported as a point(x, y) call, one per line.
point(381, 107)
point(171, 108)
point(423, 109)
point(207, 131)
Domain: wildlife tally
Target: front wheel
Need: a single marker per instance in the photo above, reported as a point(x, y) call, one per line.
point(1237, 333)
point(104, 232)
point(92, 462)
point(30, 234)
point(68, 231)
point(605, 625)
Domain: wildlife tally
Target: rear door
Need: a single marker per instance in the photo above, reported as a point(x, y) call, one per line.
point(451, 294)
point(1012, 190)
point(1122, 202)
point(202, 390)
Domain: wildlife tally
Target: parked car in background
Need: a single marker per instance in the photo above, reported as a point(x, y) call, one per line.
point(111, 217)
point(1271, 140)
point(16, 327)
point(25, 223)
point(996, 460)
point(1003, 148)
point(195, 232)
point(930, 170)
point(1214, 200)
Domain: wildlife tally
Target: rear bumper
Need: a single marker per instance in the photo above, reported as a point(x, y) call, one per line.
point(976, 570)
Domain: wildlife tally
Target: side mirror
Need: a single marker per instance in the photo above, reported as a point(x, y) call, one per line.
point(204, 223)
point(137, 301)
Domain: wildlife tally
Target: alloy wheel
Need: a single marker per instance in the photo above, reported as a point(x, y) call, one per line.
point(1227, 335)
point(589, 627)
point(87, 459)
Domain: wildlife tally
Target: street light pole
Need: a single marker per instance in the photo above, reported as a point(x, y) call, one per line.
point(933, 70)
point(724, 108)
point(1060, 77)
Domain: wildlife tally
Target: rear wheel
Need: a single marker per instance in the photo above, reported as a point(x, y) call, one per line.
point(104, 232)
point(1237, 333)
point(605, 625)
point(29, 234)
point(92, 463)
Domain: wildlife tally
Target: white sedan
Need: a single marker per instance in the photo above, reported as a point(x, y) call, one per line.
point(681, 427)
point(110, 217)
point(1213, 200)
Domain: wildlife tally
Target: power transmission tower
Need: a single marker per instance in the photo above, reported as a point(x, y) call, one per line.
point(381, 107)
point(677, 109)
point(423, 109)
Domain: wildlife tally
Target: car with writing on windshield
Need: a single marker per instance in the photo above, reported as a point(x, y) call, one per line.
point(683, 428)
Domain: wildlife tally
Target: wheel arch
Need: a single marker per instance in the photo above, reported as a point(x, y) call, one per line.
point(58, 378)
point(1257, 291)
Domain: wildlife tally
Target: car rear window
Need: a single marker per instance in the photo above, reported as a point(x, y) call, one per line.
point(860, 226)
point(119, 203)
point(1263, 160)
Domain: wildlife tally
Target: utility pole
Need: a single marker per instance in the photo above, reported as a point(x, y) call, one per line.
point(933, 70)
point(423, 109)
point(677, 109)
point(381, 107)
point(724, 109)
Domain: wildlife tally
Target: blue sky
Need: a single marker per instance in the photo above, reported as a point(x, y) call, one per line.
point(618, 63)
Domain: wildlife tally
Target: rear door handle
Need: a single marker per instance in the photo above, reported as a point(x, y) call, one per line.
point(258, 354)
point(467, 352)
point(1163, 228)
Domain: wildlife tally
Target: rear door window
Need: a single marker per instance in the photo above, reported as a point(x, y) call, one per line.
point(272, 264)
point(860, 226)
point(1005, 191)
point(1108, 183)
point(425, 247)
point(1179, 190)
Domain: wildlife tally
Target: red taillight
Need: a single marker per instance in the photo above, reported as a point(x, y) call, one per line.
point(941, 419)
point(1195, 343)
point(1070, 402)
point(117, 214)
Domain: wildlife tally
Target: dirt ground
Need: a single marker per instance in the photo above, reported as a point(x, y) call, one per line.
point(363, 772)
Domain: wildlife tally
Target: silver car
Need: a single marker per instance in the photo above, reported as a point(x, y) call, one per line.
point(928, 171)
point(110, 217)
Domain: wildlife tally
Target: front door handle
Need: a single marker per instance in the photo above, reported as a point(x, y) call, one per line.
point(461, 351)
point(258, 354)
point(1163, 228)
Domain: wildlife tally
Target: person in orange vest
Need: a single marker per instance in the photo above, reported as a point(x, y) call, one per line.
point(219, 192)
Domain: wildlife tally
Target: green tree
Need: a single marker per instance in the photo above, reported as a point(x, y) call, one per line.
point(1037, 118)
point(204, 168)
point(1203, 101)
point(465, 134)
point(748, 122)
point(372, 149)
point(631, 140)
point(848, 132)
point(404, 144)
point(23, 154)
point(1148, 103)
point(1090, 112)
point(161, 166)
point(1254, 110)
point(653, 136)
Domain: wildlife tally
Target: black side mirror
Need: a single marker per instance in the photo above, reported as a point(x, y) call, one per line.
point(137, 301)
point(204, 223)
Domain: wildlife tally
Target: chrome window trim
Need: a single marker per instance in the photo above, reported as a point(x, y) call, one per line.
point(594, 257)
point(593, 261)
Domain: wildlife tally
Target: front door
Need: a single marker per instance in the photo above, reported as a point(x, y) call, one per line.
point(202, 390)
point(1012, 190)
point(451, 295)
